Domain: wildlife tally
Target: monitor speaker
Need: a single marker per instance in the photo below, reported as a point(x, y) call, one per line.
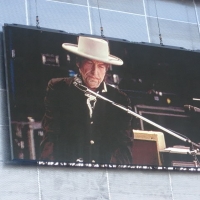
point(146, 147)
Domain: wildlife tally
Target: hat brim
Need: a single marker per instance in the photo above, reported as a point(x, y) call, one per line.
point(74, 49)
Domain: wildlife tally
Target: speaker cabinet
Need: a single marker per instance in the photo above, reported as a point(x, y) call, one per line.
point(146, 147)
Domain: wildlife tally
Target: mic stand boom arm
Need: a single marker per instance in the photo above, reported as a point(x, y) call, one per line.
point(90, 92)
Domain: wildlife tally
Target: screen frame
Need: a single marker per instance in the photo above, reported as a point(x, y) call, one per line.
point(106, 165)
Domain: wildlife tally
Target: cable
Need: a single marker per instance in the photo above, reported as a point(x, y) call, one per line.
point(179, 134)
point(195, 7)
point(37, 17)
point(160, 36)
point(101, 27)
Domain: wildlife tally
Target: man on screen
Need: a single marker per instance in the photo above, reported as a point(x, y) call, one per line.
point(82, 128)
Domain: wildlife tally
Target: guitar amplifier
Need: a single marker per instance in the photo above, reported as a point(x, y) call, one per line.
point(146, 147)
point(179, 156)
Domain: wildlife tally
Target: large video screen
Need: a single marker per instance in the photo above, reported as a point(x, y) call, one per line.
point(86, 100)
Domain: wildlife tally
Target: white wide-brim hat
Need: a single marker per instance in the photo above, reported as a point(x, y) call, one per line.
point(93, 48)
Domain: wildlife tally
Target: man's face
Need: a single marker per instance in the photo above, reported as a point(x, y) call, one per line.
point(92, 72)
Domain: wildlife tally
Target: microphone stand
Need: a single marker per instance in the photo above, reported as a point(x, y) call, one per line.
point(77, 83)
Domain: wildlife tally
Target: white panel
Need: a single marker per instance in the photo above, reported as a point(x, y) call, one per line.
point(172, 9)
point(131, 6)
point(12, 11)
point(73, 183)
point(145, 185)
point(175, 33)
point(62, 16)
point(120, 25)
point(18, 182)
point(185, 185)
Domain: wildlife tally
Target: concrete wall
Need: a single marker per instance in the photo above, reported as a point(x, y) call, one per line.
point(134, 20)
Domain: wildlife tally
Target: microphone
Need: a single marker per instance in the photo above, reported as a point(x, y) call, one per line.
point(192, 108)
point(77, 81)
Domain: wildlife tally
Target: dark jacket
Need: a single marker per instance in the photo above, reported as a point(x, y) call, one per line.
point(71, 135)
